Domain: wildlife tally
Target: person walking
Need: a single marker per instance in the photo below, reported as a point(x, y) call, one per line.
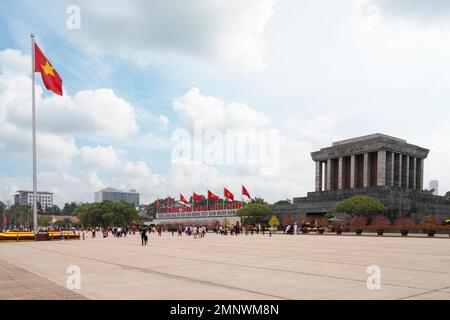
point(295, 228)
point(194, 231)
point(203, 231)
point(144, 237)
point(159, 230)
point(288, 227)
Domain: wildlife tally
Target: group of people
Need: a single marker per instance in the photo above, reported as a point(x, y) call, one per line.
point(116, 232)
point(195, 231)
point(291, 229)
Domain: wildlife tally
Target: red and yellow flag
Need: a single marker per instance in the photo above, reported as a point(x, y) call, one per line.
point(50, 77)
point(227, 194)
point(212, 196)
point(197, 198)
point(245, 192)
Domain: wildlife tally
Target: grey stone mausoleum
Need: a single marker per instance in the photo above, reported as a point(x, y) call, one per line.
point(378, 165)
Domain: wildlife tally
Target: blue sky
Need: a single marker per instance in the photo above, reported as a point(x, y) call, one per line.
point(314, 71)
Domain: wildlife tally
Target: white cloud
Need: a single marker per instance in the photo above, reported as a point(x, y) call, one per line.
point(99, 158)
point(89, 114)
point(164, 120)
point(12, 61)
point(213, 112)
point(229, 32)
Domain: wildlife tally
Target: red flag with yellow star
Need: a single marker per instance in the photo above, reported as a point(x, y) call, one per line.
point(227, 194)
point(50, 77)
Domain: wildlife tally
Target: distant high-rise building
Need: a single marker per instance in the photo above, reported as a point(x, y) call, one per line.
point(434, 184)
point(111, 194)
point(24, 197)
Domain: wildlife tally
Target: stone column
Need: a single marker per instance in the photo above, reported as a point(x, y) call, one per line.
point(366, 174)
point(328, 174)
point(318, 176)
point(390, 165)
point(352, 171)
point(381, 168)
point(419, 181)
point(341, 174)
point(412, 172)
point(406, 172)
point(400, 170)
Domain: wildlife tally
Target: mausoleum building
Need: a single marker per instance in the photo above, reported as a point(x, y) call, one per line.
point(387, 168)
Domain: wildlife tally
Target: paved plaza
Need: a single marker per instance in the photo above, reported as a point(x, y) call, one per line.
point(229, 267)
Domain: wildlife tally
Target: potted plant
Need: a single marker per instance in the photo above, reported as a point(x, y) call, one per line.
point(404, 224)
point(359, 222)
point(321, 222)
point(380, 222)
point(429, 221)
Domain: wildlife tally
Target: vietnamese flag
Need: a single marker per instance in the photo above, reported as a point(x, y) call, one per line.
point(183, 199)
point(212, 196)
point(228, 194)
point(245, 192)
point(50, 77)
point(197, 198)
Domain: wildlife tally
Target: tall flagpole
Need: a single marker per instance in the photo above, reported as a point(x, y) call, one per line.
point(35, 224)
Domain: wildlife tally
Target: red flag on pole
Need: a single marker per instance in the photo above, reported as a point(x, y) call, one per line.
point(227, 194)
point(212, 196)
point(197, 197)
point(183, 199)
point(245, 192)
point(50, 77)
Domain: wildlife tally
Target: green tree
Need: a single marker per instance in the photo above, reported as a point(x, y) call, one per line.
point(328, 216)
point(255, 212)
point(258, 200)
point(360, 205)
point(107, 213)
point(39, 207)
point(283, 202)
point(44, 221)
point(54, 210)
point(19, 215)
point(69, 209)
point(151, 209)
point(2, 212)
point(65, 223)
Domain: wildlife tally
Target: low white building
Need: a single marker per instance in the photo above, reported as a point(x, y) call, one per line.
point(112, 194)
point(25, 197)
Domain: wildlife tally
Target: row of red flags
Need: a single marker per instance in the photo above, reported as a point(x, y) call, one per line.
point(211, 196)
point(225, 206)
